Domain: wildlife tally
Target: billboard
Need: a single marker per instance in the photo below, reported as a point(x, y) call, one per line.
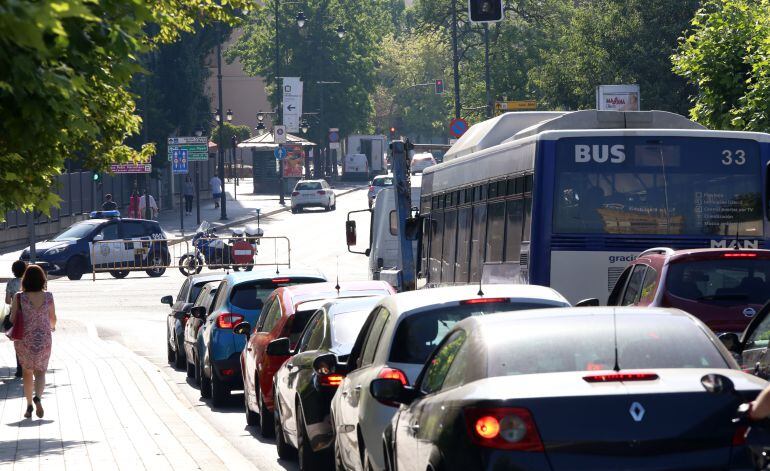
point(618, 98)
point(294, 164)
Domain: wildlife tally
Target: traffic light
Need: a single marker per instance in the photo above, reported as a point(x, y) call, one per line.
point(439, 87)
point(485, 11)
point(97, 176)
point(392, 131)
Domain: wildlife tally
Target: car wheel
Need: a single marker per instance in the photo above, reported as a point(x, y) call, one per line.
point(220, 393)
point(285, 451)
point(157, 261)
point(266, 419)
point(180, 361)
point(205, 383)
point(170, 352)
point(76, 268)
point(309, 460)
point(119, 274)
point(252, 418)
point(334, 206)
point(190, 369)
point(197, 369)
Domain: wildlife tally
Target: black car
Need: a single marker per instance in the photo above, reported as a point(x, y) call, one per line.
point(576, 388)
point(177, 317)
point(139, 245)
point(303, 389)
point(750, 348)
point(204, 303)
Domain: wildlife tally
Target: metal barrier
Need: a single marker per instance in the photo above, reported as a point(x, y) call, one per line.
point(155, 256)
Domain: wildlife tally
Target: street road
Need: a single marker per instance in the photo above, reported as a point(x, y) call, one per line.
point(129, 310)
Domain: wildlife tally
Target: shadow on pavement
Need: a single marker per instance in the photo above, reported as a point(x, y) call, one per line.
point(34, 447)
point(34, 422)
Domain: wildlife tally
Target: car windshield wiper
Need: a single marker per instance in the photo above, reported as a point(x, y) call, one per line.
point(724, 297)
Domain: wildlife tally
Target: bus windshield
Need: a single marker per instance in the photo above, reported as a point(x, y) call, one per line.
point(658, 185)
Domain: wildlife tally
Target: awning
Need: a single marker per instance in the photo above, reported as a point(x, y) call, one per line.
point(267, 142)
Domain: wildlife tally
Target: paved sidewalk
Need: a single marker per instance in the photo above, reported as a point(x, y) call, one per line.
point(105, 408)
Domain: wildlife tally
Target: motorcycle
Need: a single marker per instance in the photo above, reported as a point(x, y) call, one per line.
point(216, 252)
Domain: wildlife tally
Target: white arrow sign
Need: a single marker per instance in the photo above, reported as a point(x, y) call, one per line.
point(292, 103)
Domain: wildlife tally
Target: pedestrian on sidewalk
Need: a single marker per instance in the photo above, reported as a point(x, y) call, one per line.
point(133, 205)
point(108, 204)
point(36, 307)
point(216, 189)
point(11, 288)
point(189, 192)
point(143, 204)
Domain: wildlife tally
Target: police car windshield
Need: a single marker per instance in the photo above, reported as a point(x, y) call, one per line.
point(76, 231)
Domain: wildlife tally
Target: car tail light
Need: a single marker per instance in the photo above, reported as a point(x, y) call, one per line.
point(295, 193)
point(393, 373)
point(506, 428)
point(616, 377)
point(276, 281)
point(331, 380)
point(228, 321)
point(321, 192)
point(228, 372)
point(484, 300)
point(739, 255)
point(739, 437)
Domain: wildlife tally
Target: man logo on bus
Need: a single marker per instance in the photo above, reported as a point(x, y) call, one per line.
point(600, 153)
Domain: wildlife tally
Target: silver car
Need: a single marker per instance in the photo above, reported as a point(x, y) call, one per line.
point(378, 184)
point(397, 338)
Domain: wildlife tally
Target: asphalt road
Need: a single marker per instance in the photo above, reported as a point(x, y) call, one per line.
point(129, 310)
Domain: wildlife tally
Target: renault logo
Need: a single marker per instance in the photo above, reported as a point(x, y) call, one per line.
point(637, 411)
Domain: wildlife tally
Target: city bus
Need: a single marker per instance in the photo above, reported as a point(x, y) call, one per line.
point(569, 201)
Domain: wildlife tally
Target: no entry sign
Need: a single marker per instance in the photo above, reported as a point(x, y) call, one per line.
point(457, 127)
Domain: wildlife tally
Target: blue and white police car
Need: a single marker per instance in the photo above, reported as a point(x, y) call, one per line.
point(108, 242)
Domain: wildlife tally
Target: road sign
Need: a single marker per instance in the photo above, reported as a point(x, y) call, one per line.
point(521, 105)
point(243, 252)
point(280, 153)
point(279, 134)
point(292, 103)
point(457, 127)
point(131, 168)
point(197, 147)
point(334, 135)
point(179, 163)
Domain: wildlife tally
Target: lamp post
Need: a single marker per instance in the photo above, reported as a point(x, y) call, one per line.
point(221, 139)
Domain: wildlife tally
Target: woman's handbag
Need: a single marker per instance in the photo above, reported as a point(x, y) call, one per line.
point(16, 331)
point(5, 317)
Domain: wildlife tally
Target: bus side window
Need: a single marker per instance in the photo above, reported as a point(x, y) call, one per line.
point(463, 244)
point(614, 298)
point(513, 229)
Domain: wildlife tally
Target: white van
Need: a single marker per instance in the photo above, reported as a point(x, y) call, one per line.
point(355, 167)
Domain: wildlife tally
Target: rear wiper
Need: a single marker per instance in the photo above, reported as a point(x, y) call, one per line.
point(724, 297)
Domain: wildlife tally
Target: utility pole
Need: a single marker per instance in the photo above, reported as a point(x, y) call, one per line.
point(403, 194)
point(486, 70)
point(278, 91)
point(455, 59)
point(221, 146)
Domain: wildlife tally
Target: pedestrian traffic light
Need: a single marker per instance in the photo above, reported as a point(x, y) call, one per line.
point(439, 87)
point(392, 131)
point(97, 177)
point(485, 11)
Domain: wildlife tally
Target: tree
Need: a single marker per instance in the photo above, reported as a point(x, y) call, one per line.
point(725, 57)
point(65, 70)
point(241, 133)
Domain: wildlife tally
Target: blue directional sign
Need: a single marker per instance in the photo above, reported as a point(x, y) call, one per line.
point(179, 162)
point(280, 153)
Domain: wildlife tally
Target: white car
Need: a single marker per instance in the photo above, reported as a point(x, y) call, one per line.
point(378, 184)
point(420, 162)
point(312, 193)
point(396, 339)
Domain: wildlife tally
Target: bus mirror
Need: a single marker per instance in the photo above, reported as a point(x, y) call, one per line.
point(350, 233)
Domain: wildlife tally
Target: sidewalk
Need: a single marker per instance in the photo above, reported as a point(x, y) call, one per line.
point(105, 408)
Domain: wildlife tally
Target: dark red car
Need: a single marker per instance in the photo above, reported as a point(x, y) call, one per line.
point(285, 314)
point(724, 288)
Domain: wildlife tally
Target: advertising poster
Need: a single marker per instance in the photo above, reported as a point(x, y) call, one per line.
point(618, 98)
point(294, 165)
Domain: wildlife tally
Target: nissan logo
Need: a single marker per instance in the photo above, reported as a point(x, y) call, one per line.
point(749, 312)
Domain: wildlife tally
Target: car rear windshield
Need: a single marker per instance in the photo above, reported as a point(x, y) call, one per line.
point(418, 334)
point(308, 186)
point(245, 295)
point(388, 181)
point(583, 343)
point(345, 329)
point(742, 280)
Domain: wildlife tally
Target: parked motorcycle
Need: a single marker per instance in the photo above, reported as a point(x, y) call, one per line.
point(210, 250)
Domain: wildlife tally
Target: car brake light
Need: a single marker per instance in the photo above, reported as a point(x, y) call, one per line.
point(321, 192)
point(506, 428)
point(331, 380)
point(739, 437)
point(280, 280)
point(612, 377)
point(228, 321)
point(484, 300)
point(739, 255)
point(393, 373)
point(295, 193)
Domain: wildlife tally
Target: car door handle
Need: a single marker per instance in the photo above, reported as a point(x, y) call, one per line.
point(357, 388)
point(344, 393)
point(248, 349)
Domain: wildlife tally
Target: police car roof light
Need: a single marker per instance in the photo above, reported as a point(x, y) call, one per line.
point(104, 214)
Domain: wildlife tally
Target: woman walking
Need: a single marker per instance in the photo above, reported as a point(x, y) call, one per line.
point(11, 288)
point(189, 192)
point(36, 307)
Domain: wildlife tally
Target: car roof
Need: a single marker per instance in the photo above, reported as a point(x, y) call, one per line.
point(319, 180)
point(206, 278)
point(341, 306)
point(412, 300)
point(694, 254)
point(268, 273)
point(295, 296)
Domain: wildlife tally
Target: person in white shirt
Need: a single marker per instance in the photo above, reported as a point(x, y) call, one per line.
point(216, 189)
point(143, 206)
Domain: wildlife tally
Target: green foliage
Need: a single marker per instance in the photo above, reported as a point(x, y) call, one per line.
point(726, 56)
point(241, 133)
point(65, 67)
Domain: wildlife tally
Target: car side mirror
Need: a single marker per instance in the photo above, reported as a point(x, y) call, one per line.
point(391, 391)
point(98, 237)
point(166, 299)
point(350, 233)
point(731, 341)
point(243, 328)
point(279, 347)
point(325, 364)
point(198, 312)
point(184, 312)
point(589, 302)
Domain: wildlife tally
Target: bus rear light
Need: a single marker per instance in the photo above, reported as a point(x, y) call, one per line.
point(484, 300)
point(228, 321)
point(617, 377)
point(505, 428)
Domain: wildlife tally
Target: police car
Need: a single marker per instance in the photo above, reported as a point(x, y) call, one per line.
point(139, 245)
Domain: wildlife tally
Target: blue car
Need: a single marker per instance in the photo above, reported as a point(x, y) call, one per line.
point(139, 244)
point(239, 298)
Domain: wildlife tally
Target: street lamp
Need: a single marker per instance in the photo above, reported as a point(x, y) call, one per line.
point(341, 31)
point(229, 115)
point(217, 118)
point(301, 19)
point(304, 126)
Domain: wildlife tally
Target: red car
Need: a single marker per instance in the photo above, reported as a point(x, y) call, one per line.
point(285, 314)
point(724, 288)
